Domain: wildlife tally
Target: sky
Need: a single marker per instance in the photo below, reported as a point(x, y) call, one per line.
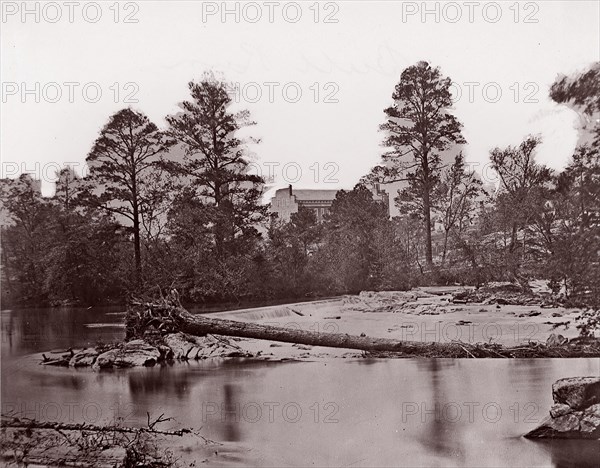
point(315, 76)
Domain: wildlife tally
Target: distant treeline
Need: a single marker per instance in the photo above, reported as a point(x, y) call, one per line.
point(141, 220)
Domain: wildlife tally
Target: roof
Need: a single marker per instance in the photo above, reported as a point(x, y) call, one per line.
point(310, 194)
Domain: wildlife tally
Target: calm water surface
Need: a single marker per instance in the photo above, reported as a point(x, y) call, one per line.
point(414, 412)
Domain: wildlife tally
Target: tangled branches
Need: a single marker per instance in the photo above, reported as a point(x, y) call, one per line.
point(157, 313)
point(27, 440)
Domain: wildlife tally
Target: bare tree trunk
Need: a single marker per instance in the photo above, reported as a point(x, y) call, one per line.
point(513, 238)
point(170, 318)
point(427, 213)
point(137, 249)
point(136, 233)
point(181, 320)
point(198, 325)
point(446, 234)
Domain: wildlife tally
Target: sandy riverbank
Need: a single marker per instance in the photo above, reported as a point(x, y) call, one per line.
point(422, 314)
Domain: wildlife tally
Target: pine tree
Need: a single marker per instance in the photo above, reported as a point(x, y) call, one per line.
point(122, 158)
point(419, 127)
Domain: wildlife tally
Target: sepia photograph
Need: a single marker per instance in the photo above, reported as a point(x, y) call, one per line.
point(352, 233)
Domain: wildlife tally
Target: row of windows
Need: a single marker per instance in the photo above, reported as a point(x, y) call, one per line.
point(320, 212)
point(281, 202)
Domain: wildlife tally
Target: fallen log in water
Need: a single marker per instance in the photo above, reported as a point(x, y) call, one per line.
point(176, 319)
point(168, 316)
point(26, 423)
point(25, 442)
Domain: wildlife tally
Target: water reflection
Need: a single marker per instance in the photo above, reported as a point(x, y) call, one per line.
point(573, 453)
point(365, 412)
point(230, 412)
point(36, 329)
point(436, 435)
point(160, 383)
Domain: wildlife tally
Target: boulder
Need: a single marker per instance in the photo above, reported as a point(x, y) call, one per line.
point(180, 345)
point(559, 409)
point(106, 359)
point(131, 354)
point(555, 340)
point(562, 427)
point(576, 412)
point(577, 392)
point(166, 353)
point(193, 354)
point(218, 346)
point(590, 422)
point(85, 357)
point(574, 425)
point(137, 353)
point(186, 347)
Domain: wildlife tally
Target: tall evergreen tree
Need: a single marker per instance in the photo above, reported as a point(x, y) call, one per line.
point(123, 156)
point(419, 127)
point(216, 162)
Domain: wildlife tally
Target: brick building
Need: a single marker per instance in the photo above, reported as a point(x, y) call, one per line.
point(288, 200)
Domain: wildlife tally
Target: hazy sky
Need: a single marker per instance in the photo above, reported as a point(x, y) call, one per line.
point(349, 67)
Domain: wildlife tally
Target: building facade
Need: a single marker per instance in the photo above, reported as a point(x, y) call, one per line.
point(289, 200)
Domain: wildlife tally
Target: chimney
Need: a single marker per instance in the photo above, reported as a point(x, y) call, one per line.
point(290, 189)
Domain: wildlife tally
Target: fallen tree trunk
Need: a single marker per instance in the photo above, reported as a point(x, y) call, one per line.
point(175, 318)
point(168, 316)
point(28, 442)
point(199, 325)
point(25, 423)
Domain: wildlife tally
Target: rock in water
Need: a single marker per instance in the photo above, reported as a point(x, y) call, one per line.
point(137, 353)
point(180, 345)
point(556, 340)
point(577, 392)
point(559, 409)
point(85, 357)
point(187, 347)
point(576, 412)
point(105, 360)
point(131, 354)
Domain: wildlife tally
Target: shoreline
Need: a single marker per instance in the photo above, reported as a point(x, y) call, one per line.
point(218, 306)
point(427, 322)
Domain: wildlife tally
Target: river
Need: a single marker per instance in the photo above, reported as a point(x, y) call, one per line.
point(331, 412)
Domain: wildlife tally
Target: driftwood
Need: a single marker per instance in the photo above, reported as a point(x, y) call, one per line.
point(174, 318)
point(25, 442)
point(26, 423)
point(168, 316)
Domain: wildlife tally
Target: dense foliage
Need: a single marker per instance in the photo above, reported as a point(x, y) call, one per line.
point(179, 208)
